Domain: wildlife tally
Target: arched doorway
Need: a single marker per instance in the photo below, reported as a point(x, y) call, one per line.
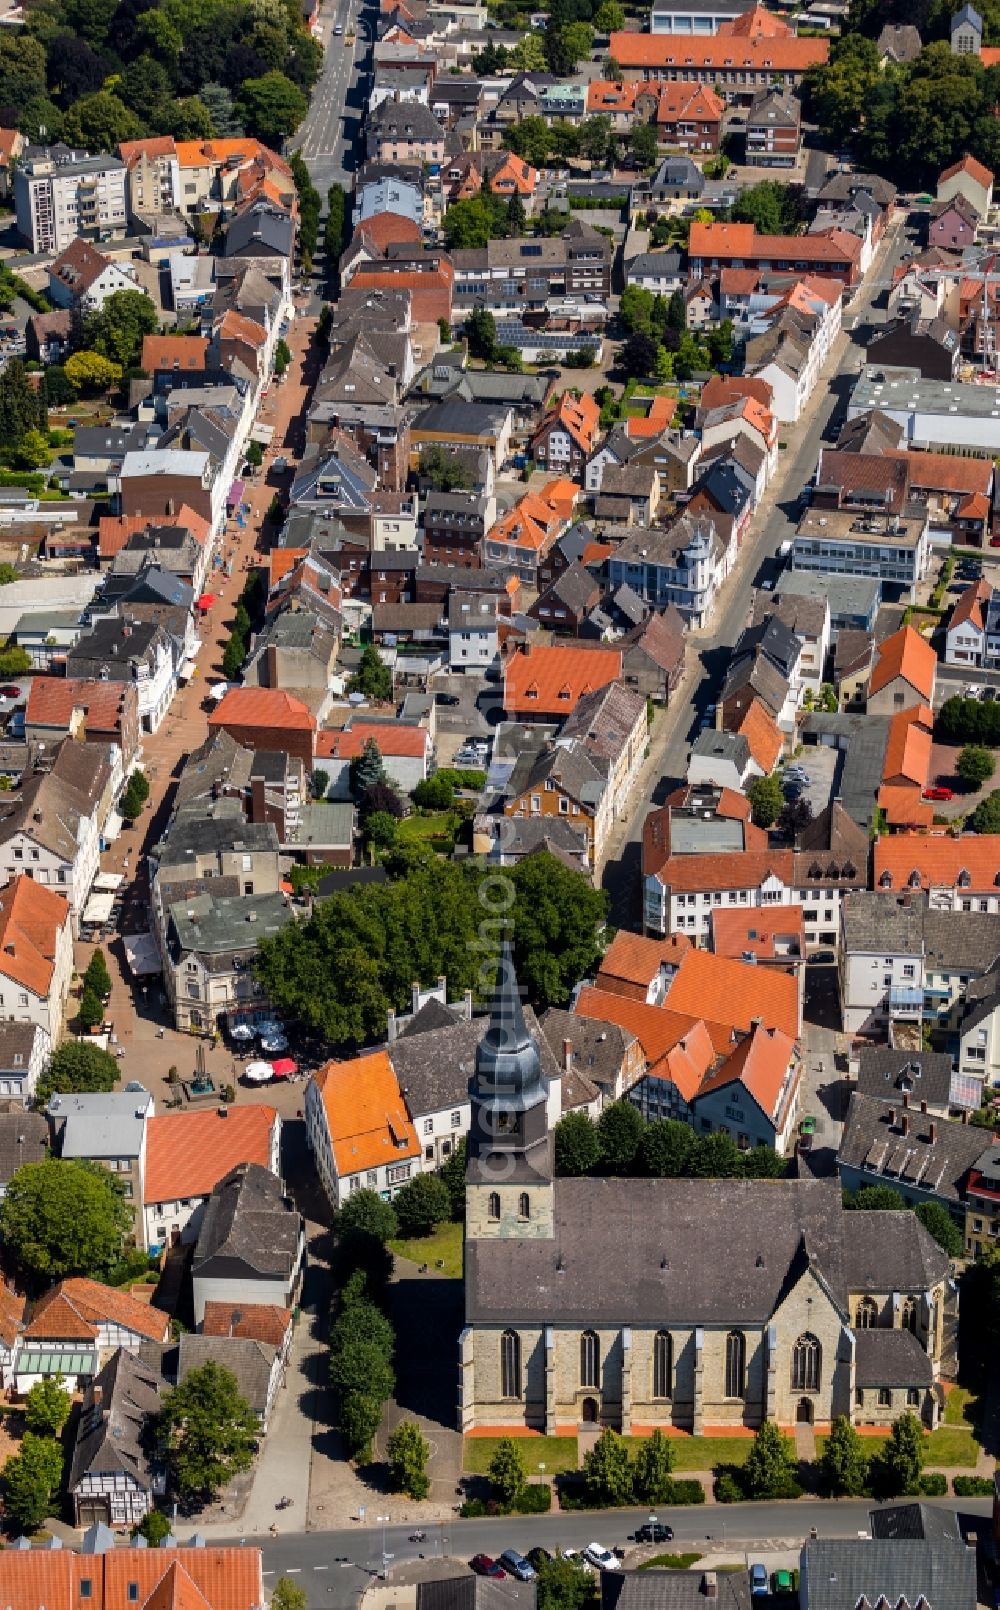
point(589, 1412)
point(804, 1412)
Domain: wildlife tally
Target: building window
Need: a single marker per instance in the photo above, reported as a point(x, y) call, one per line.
point(859, 1397)
point(493, 1209)
point(884, 1397)
point(663, 1364)
point(806, 1359)
point(590, 1359)
point(510, 1364)
point(524, 1206)
point(736, 1355)
point(908, 1317)
point(866, 1317)
point(912, 1398)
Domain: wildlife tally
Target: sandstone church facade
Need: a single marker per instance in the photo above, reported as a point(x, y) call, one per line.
point(697, 1304)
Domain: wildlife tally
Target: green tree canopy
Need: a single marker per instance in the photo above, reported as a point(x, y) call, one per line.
point(902, 1457)
point(619, 1132)
point(272, 107)
point(481, 334)
point(100, 122)
point(508, 1472)
point(766, 800)
point(769, 1471)
point(564, 1585)
point(607, 1470)
point(408, 1453)
point(46, 1408)
point(974, 766)
point(446, 472)
point(373, 677)
point(986, 816)
point(288, 1595)
point(64, 1217)
point(667, 1149)
point(422, 1204)
point(91, 371)
point(30, 1482)
point(772, 207)
point(844, 1463)
point(577, 1145)
point(206, 1432)
point(654, 1465)
point(365, 1213)
point(117, 329)
point(938, 1222)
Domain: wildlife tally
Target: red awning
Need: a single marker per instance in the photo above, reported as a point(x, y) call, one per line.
point(284, 1068)
point(206, 601)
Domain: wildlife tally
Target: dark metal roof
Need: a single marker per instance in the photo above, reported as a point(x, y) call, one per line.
point(842, 1573)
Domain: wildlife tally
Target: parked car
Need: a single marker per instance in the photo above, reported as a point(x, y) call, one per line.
point(447, 698)
point(9, 691)
point(758, 1581)
point(808, 1125)
point(601, 1558)
point(483, 1565)
point(820, 958)
point(804, 1144)
point(938, 793)
point(781, 1582)
point(516, 1565)
point(972, 691)
point(654, 1532)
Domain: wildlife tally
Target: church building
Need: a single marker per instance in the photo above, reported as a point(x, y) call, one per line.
point(700, 1304)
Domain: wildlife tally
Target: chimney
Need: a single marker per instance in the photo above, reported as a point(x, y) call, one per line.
point(904, 1124)
point(567, 1056)
point(390, 1025)
point(906, 1098)
point(710, 1585)
point(932, 1132)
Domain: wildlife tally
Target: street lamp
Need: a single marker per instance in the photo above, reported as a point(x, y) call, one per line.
point(384, 1519)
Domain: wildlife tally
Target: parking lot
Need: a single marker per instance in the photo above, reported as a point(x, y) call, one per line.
point(821, 763)
point(478, 708)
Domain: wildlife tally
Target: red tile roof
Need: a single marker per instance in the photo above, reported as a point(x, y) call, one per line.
point(124, 1578)
point(677, 51)
point(908, 749)
point(732, 993)
point(188, 1153)
point(338, 743)
point(674, 1044)
point(738, 932)
point(31, 920)
point(546, 679)
point(970, 605)
point(760, 1063)
point(763, 734)
point(261, 1322)
point(736, 241)
point(579, 416)
point(388, 229)
point(184, 352)
point(365, 1113)
point(632, 961)
point(262, 707)
point(76, 1308)
point(938, 860)
point(908, 655)
point(968, 165)
point(52, 700)
point(695, 103)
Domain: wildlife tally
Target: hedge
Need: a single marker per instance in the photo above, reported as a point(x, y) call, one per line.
point(535, 1499)
point(573, 1494)
point(934, 1484)
point(972, 1486)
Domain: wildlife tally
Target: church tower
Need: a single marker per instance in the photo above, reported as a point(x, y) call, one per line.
point(509, 1189)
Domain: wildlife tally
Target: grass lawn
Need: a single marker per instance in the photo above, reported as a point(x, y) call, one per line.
point(670, 1562)
point(444, 1243)
point(557, 1454)
point(951, 1445)
point(960, 1407)
point(704, 1453)
point(436, 828)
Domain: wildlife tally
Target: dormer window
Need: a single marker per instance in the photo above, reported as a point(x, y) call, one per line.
point(885, 881)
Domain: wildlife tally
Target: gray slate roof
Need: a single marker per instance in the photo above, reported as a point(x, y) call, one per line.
point(434, 1065)
point(599, 1049)
point(250, 1225)
point(24, 1138)
point(890, 1357)
point(674, 1590)
point(886, 1073)
point(109, 1436)
point(873, 1142)
point(475, 1593)
point(915, 1521)
point(891, 924)
point(690, 1252)
point(841, 1572)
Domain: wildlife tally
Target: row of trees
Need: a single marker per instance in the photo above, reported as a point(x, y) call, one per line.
point(95, 72)
point(660, 344)
point(135, 795)
point(622, 1142)
point(310, 206)
point(359, 952)
point(96, 989)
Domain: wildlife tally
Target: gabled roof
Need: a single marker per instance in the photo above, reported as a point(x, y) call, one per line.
point(261, 1322)
point(188, 1153)
point(578, 416)
point(263, 707)
point(555, 678)
point(676, 1045)
point(366, 1114)
point(228, 1578)
point(969, 165)
point(972, 605)
point(760, 1063)
point(733, 993)
point(934, 861)
point(77, 1308)
point(31, 920)
point(907, 655)
point(632, 962)
point(184, 352)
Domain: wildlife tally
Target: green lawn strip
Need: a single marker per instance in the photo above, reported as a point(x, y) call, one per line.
point(444, 1243)
point(704, 1453)
point(670, 1562)
point(957, 1407)
point(947, 1446)
point(436, 828)
point(557, 1454)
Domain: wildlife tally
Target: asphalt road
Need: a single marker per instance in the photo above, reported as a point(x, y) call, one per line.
point(335, 1567)
point(757, 562)
point(330, 136)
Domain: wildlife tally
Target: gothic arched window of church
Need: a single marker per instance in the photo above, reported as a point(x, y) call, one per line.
point(663, 1364)
point(866, 1317)
point(908, 1318)
point(736, 1364)
point(590, 1359)
point(806, 1361)
point(510, 1364)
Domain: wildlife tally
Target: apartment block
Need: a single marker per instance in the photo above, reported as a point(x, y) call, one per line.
point(59, 194)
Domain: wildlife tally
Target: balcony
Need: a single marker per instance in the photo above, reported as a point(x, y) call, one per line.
point(906, 1003)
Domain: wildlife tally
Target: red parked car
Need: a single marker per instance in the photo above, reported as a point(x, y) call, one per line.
point(939, 793)
point(484, 1565)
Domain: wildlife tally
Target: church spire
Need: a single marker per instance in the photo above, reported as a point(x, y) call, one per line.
point(508, 1069)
